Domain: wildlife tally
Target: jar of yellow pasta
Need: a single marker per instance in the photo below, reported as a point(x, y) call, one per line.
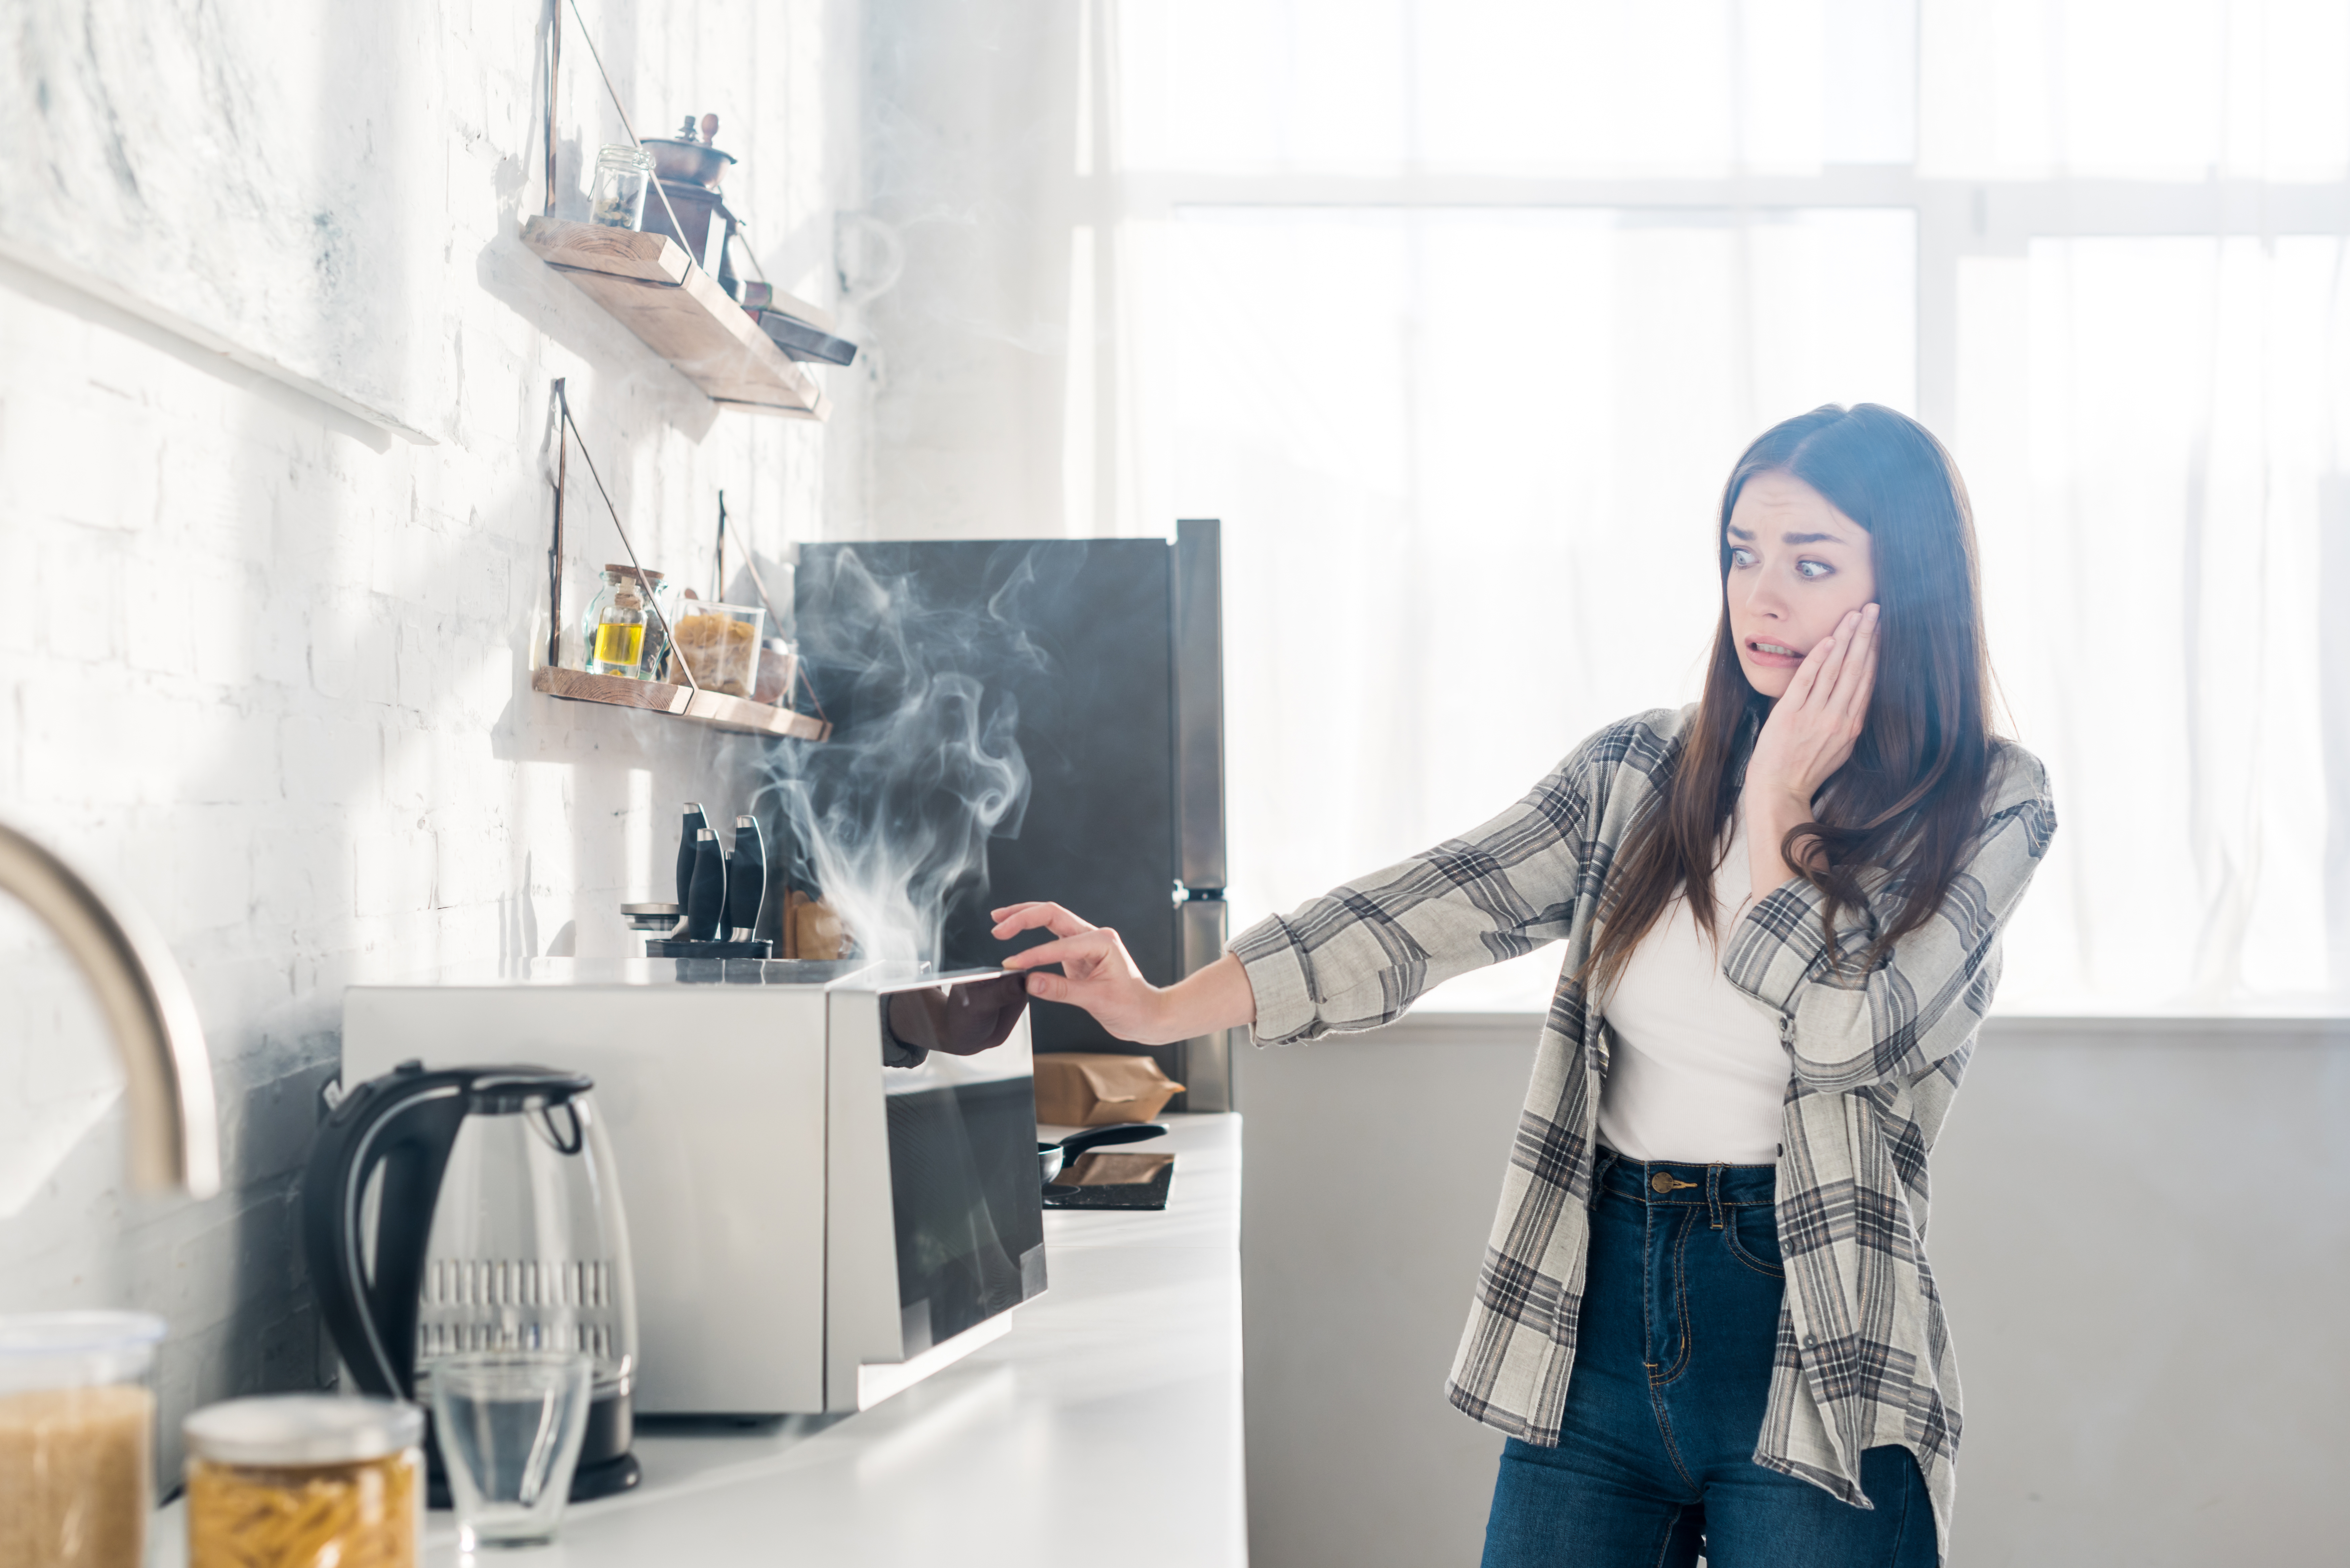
point(306, 1480)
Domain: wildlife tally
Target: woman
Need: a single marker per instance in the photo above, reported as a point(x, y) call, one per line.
point(1705, 1317)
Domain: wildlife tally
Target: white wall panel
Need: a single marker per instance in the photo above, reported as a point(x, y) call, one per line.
point(2141, 1227)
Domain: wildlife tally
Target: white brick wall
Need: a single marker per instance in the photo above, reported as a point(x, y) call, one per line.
point(270, 666)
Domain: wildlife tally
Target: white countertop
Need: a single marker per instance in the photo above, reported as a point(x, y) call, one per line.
point(1106, 1426)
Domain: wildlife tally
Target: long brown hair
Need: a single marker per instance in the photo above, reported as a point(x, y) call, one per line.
point(1909, 802)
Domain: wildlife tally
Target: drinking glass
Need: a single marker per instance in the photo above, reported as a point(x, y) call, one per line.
point(509, 1426)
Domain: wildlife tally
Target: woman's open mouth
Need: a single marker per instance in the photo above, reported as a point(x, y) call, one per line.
point(1771, 655)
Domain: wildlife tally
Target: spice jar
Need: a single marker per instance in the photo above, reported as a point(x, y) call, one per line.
point(76, 1437)
point(619, 634)
point(617, 199)
point(297, 1479)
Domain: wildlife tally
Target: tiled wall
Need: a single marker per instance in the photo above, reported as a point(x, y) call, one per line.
point(266, 665)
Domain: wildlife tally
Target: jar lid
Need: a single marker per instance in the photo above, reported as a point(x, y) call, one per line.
point(302, 1429)
point(626, 156)
point(628, 571)
point(76, 1332)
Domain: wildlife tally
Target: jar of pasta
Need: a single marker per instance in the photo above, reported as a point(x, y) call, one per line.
point(721, 644)
point(295, 1480)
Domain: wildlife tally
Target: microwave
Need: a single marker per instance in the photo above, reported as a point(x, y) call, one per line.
point(829, 1193)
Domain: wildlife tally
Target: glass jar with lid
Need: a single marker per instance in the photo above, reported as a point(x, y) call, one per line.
point(617, 199)
point(620, 635)
point(721, 644)
point(76, 1437)
point(306, 1478)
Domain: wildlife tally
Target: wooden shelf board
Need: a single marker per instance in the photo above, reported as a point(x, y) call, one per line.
point(653, 287)
point(737, 715)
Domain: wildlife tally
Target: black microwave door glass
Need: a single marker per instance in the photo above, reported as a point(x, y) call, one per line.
point(968, 1205)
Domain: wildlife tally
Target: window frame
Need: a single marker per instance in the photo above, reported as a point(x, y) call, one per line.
point(1957, 219)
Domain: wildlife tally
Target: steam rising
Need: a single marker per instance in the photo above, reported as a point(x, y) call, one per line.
point(892, 815)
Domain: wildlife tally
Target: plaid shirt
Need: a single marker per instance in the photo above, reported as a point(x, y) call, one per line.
point(1864, 1354)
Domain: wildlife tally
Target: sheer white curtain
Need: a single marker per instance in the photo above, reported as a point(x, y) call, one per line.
point(2155, 425)
point(1458, 312)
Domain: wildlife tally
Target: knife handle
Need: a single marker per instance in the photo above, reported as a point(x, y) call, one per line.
point(746, 880)
point(687, 838)
point(705, 903)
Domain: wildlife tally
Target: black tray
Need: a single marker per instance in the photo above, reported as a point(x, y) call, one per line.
point(1150, 1193)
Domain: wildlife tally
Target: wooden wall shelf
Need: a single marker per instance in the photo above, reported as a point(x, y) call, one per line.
point(654, 287)
point(738, 715)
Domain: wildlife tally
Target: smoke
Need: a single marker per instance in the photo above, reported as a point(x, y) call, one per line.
point(890, 819)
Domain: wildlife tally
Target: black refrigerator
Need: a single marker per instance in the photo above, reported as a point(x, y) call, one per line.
point(1103, 660)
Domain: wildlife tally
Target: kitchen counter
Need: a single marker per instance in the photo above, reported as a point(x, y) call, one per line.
point(1106, 1424)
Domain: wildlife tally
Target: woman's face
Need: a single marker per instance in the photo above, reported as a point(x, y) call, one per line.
point(1797, 565)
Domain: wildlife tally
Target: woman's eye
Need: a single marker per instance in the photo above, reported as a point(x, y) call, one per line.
point(1739, 558)
point(1813, 569)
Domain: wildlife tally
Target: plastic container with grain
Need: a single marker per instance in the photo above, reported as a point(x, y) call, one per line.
point(76, 1439)
point(721, 644)
point(302, 1481)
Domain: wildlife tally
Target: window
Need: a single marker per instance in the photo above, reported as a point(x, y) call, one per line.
point(1458, 313)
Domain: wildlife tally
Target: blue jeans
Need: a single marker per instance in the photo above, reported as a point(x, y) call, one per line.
point(1673, 1369)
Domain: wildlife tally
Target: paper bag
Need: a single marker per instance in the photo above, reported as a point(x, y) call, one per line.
point(1092, 1089)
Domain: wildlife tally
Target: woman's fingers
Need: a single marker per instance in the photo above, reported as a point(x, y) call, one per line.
point(1799, 685)
point(1097, 975)
point(1858, 679)
point(1031, 906)
point(1083, 950)
point(1832, 652)
point(1025, 905)
point(1108, 1001)
point(1815, 677)
point(1015, 918)
point(1812, 727)
point(1043, 952)
point(1836, 695)
point(1085, 990)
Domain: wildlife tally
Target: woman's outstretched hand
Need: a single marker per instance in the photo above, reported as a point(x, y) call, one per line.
point(1809, 735)
point(1099, 975)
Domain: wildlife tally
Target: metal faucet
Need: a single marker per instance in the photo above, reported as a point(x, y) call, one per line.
point(167, 1073)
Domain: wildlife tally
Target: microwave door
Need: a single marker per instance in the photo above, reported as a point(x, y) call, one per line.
point(965, 1205)
point(939, 1231)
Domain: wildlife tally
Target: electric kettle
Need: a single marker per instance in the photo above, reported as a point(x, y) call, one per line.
point(475, 1208)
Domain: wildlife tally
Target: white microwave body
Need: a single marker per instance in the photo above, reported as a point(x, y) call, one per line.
point(816, 1220)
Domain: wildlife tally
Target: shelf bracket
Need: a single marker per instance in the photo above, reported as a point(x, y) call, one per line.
point(652, 603)
point(555, 550)
point(554, 76)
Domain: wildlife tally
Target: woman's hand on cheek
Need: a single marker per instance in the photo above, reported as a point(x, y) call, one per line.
point(1811, 732)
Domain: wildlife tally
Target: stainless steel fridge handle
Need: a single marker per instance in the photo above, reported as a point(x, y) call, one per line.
point(1199, 623)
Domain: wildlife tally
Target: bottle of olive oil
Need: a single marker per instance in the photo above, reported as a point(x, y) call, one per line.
point(613, 631)
point(619, 643)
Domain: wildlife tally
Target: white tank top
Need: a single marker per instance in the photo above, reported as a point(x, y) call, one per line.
point(1697, 1071)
